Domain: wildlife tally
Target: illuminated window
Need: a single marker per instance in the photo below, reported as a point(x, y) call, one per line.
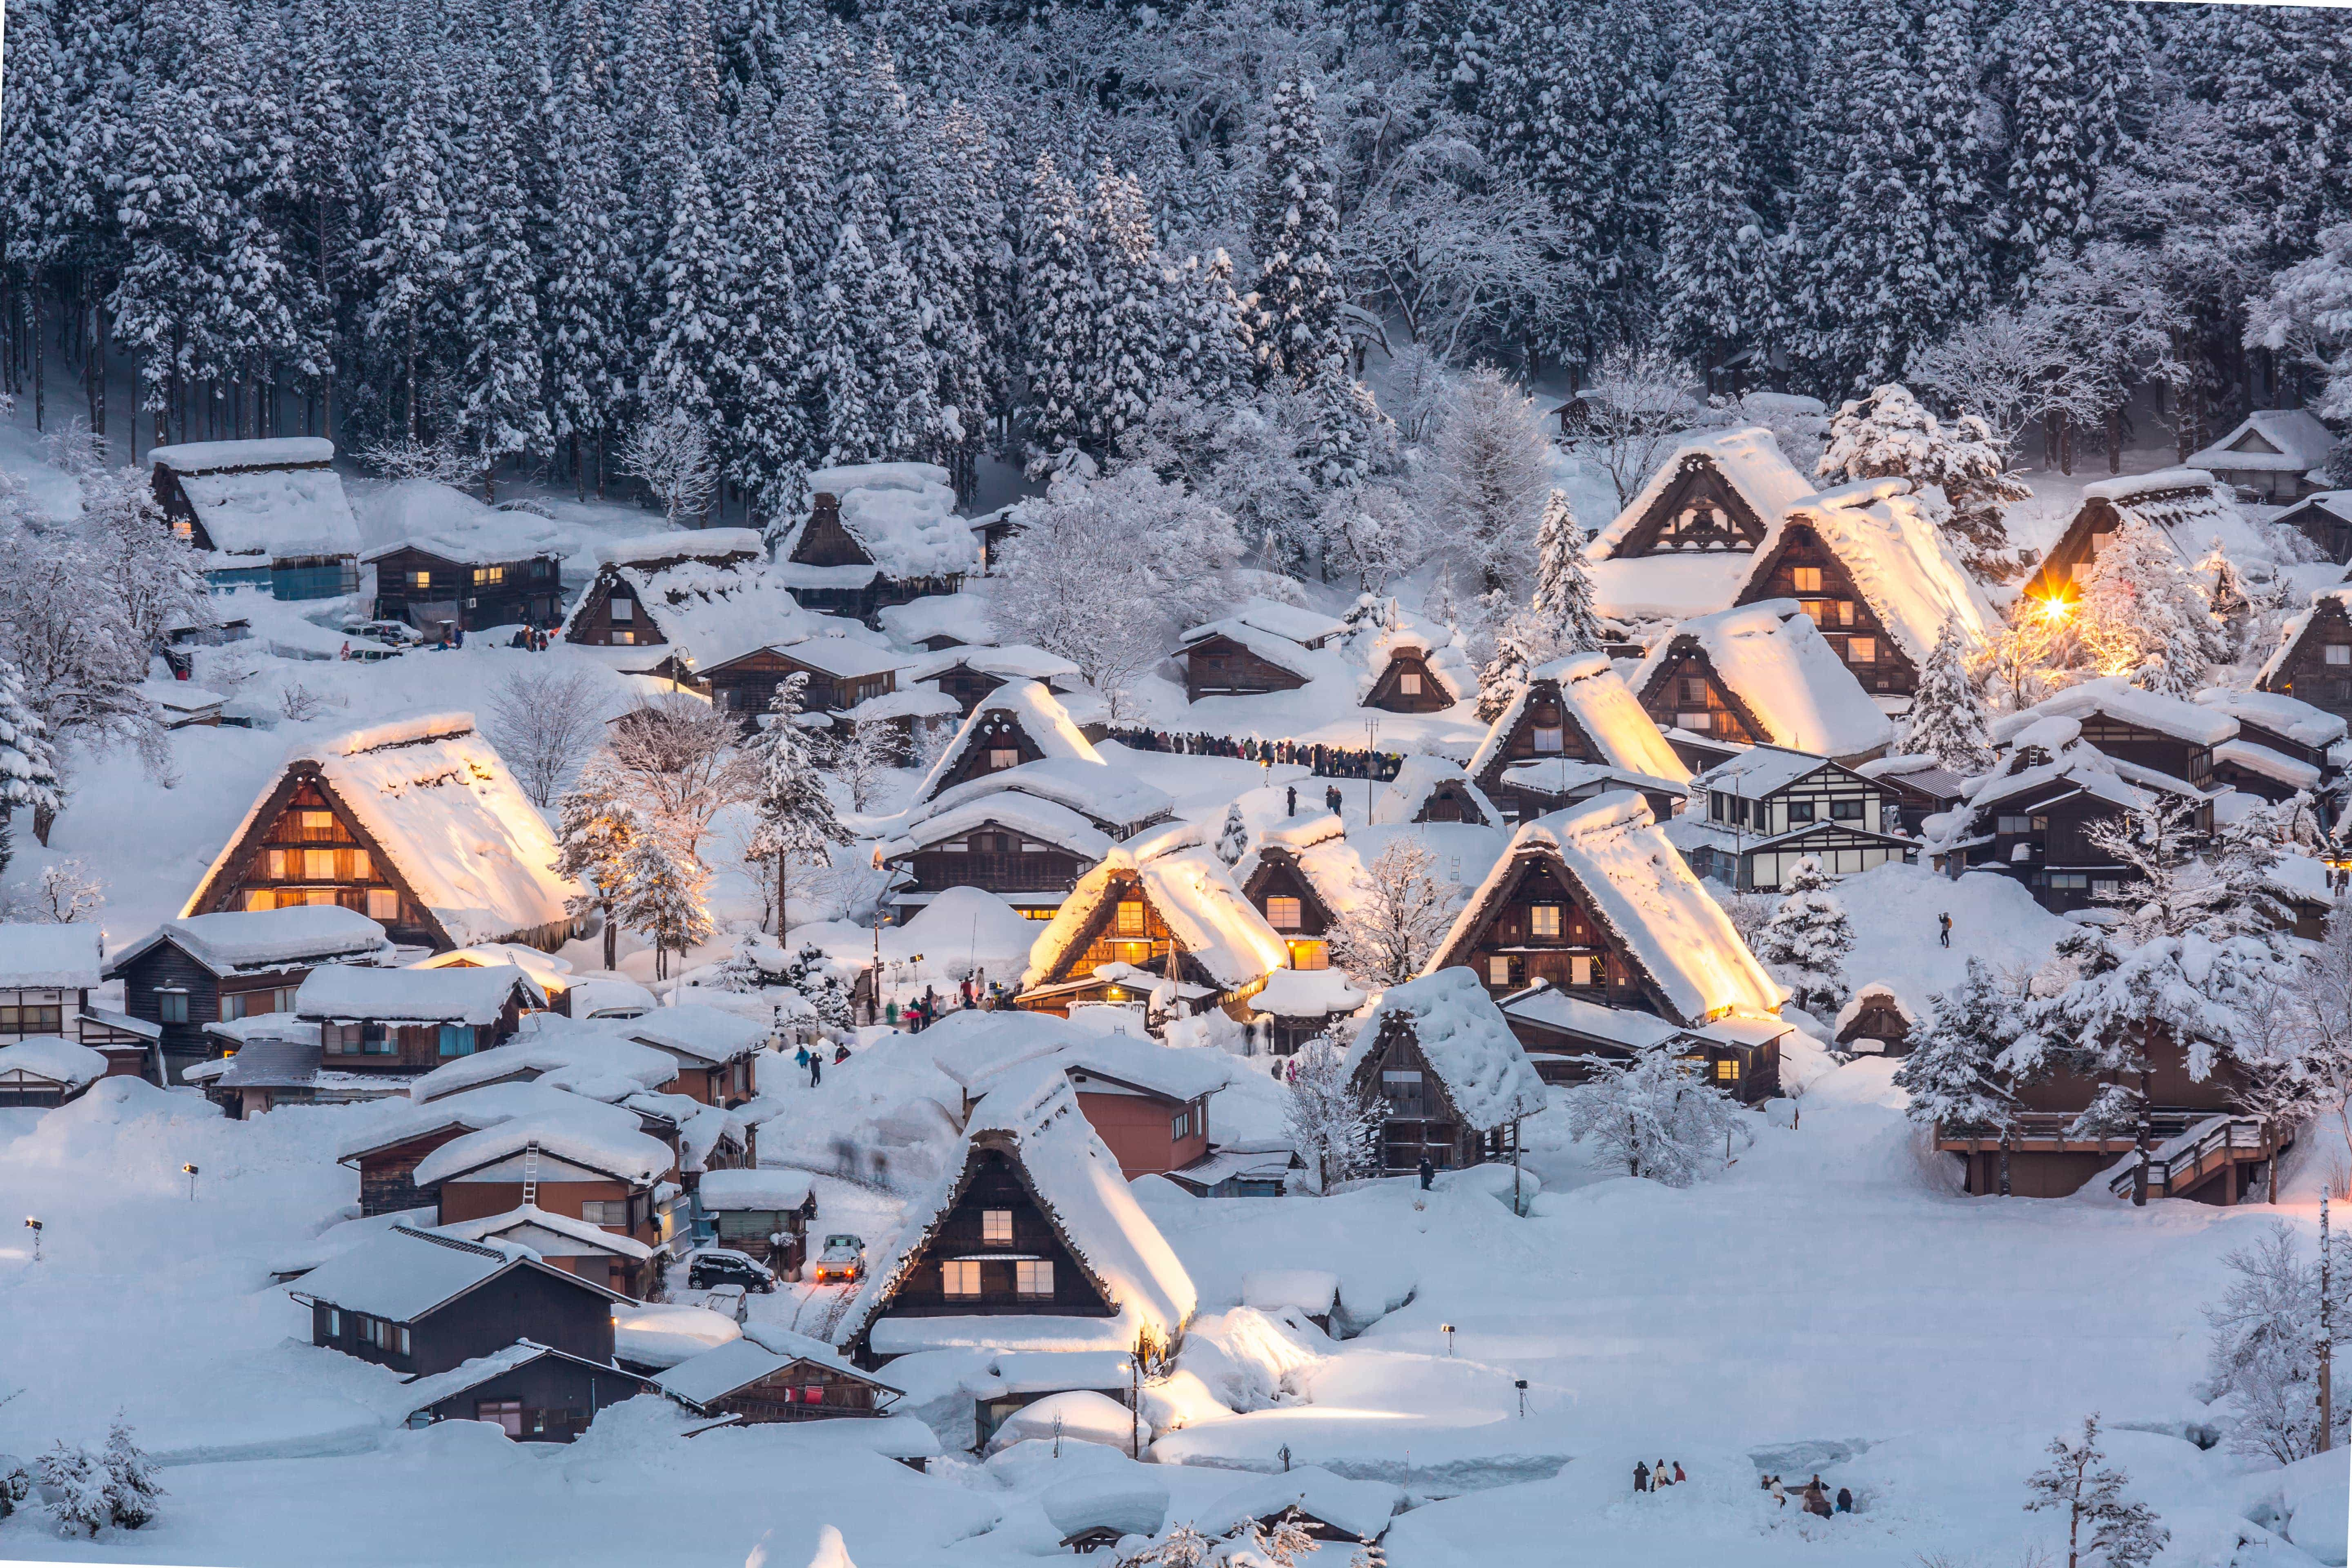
point(489, 576)
point(319, 896)
point(1862, 650)
point(261, 898)
point(1581, 971)
point(1282, 915)
point(624, 639)
point(1001, 757)
point(319, 822)
point(1033, 1279)
point(1409, 683)
point(1696, 720)
point(1130, 917)
point(996, 1226)
point(1543, 919)
point(960, 1278)
point(1727, 1070)
point(420, 580)
point(1309, 955)
point(1808, 579)
point(1498, 971)
point(382, 904)
point(319, 864)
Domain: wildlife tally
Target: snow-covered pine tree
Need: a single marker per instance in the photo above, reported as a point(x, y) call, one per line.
point(28, 766)
point(1058, 310)
point(959, 220)
point(75, 1484)
point(582, 322)
point(1487, 472)
point(793, 816)
point(1947, 720)
point(133, 1482)
point(1712, 286)
point(1631, 44)
point(1806, 940)
point(503, 414)
point(1562, 611)
point(1232, 838)
point(761, 361)
point(406, 258)
point(1647, 1114)
point(2142, 613)
point(666, 895)
point(1295, 235)
point(2057, 141)
point(1131, 326)
point(2101, 1525)
point(1212, 357)
point(596, 824)
point(692, 319)
point(15, 1486)
point(1953, 1073)
point(1889, 433)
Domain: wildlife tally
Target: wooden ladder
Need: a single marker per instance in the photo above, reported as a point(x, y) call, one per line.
point(530, 1173)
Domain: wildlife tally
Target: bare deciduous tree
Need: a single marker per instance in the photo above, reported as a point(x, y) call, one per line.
point(670, 453)
point(1385, 936)
point(1638, 402)
point(544, 723)
point(680, 759)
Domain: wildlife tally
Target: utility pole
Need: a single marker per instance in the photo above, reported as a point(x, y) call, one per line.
point(2327, 1338)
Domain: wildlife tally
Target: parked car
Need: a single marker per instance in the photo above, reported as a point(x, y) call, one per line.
point(715, 1265)
point(399, 634)
point(843, 1261)
point(727, 1301)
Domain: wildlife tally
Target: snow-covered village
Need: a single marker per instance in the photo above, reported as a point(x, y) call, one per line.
point(1254, 783)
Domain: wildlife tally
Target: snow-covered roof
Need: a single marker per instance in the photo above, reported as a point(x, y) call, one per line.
point(961, 615)
point(1546, 1005)
point(902, 515)
point(1306, 993)
point(446, 522)
point(180, 698)
point(1275, 649)
point(1044, 820)
point(1750, 461)
point(1195, 894)
point(1314, 1291)
point(581, 1059)
point(1567, 778)
point(403, 1274)
point(764, 1350)
point(1603, 706)
point(1760, 771)
point(2114, 697)
point(272, 452)
point(235, 940)
point(664, 1333)
point(1013, 662)
point(1304, 627)
point(695, 1029)
point(445, 813)
point(1398, 632)
point(1670, 587)
point(2277, 711)
point(626, 1155)
point(1417, 779)
point(53, 1058)
point(516, 1226)
point(1111, 797)
point(1131, 1505)
point(278, 512)
point(1640, 886)
point(1360, 1508)
point(841, 657)
point(1176, 1072)
point(734, 1191)
point(1874, 994)
point(1778, 665)
point(476, 1109)
point(62, 957)
point(718, 544)
point(2283, 440)
point(1466, 1041)
point(1041, 717)
point(2336, 504)
point(1902, 565)
point(1033, 1117)
point(350, 991)
point(2291, 772)
point(2292, 633)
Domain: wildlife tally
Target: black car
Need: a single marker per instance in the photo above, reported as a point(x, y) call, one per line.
point(717, 1265)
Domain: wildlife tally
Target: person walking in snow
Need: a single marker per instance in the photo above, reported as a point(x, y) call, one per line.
point(1780, 1494)
point(800, 1058)
point(1679, 1477)
point(1816, 1499)
point(817, 1068)
point(1844, 1500)
point(1428, 1173)
point(1944, 924)
point(1659, 1475)
point(1641, 1477)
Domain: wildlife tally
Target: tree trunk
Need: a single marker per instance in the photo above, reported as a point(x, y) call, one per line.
point(409, 375)
point(2115, 440)
point(783, 927)
point(490, 490)
point(44, 819)
point(579, 474)
point(40, 381)
point(2005, 1136)
point(612, 939)
point(2142, 1136)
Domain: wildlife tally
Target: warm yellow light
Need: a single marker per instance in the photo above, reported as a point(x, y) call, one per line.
point(2055, 609)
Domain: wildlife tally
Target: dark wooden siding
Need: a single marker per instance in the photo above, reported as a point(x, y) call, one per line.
point(922, 1292)
point(2306, 671)
point(528, 588)
point(1220, 666)
point(1836, 608)
point(1388, 694)
point(559, 1397)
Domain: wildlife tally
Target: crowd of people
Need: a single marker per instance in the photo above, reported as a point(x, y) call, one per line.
point(1814, 1497)
point(1326, 762)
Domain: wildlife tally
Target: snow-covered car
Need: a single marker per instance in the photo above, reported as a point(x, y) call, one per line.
point(843, 1261)
point(716, 1265)
point(399, 634)
point(727, 1301)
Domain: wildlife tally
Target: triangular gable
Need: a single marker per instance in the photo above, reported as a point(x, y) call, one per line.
point(2327, 614)
point(1021, 717)
point(303, 786)
point(2252, 441)
point(1665, 698)
point(1719, 493)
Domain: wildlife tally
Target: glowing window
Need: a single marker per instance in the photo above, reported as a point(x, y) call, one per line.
point(1033, 1279)
point(1130, 917)
point(1581, 971)
point(319, 864)
point(1543, 919)
point(960, 1278)
point(1862, 650)
point(1727, 1070)
point(382, 904)
point(420, 580)
point(1282, 915)
point(261, 899)
point(1808, 579)
point(1498, 971)
point(489, 576)
point(996, 1226)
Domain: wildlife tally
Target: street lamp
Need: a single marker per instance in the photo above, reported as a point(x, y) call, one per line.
point(1521, 1384)
point(1447, 1330)
point(35, 1226)
point(191, 1170)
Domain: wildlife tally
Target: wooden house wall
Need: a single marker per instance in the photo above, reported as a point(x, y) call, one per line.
point(1102, 942)
point(1413, 1127)
point(1507, 933)
point(459, 1199)
point(167, 967)
point(1684, 692)
point(1882, 1021)
point(2148, 748)
point(1699, 510)
point(2309, 673)
point(1451, 801)
point(968, 686)
point(1835, 607)
point(839, 1394)
point(559, 1397)
point(1279, 876)
point(824, 541)
point(530, 588)
point(252, 876)
point(2062, 867)
point(521, 1304)
point(746, 686)
point(1544, 710)
point(592, 623)
point(997, 731)
point(415, 1047)
point(997, 858)
point(1817, 798)
point(1388, 692)
point(2328, 530)
point(388, 1177)
point(1139, 1130)
point(993, 1185)
point(1220, 666)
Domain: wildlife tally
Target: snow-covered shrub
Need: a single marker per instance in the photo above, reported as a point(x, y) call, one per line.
point(63, 893)
point(132, 1478)
point(1653, 1118)
point(301, 704)
point(2100, 1524)
point(1888, 433)
point(1400, 914)
point(1333, 1127)
point(76, 1483)
point(2261, 1362)
point(15, 1484)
